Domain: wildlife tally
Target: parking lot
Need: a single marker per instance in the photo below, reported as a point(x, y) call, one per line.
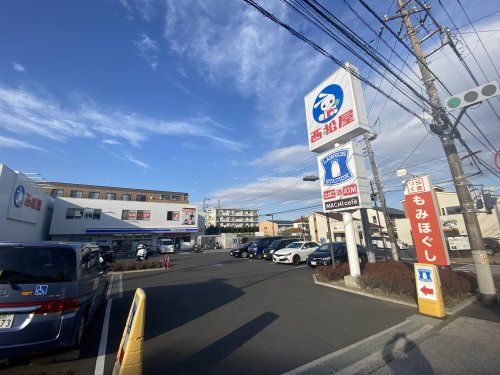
point(211, 313)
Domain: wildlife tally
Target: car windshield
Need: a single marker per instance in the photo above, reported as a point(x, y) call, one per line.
point(275, 244)
point(295, 245)
point(323, 248)
point(167, 242)
point(27, 265)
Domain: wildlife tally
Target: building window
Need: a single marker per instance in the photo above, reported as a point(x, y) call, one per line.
point(76, 194)
point(126, 197)
point(143, 215)
point(110, 196)
point(93, 195)
point(173, 215)
point(165, 197)
point(374, 219)
point(136, 215)
point(140, 198)
point(57, 193)
point(74, 213)
point(96, 214)
point(88, 213)
point(176, 197)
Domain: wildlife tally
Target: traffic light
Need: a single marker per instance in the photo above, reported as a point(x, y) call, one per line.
point(472, 96)
point(489, 202)
point(479, 203)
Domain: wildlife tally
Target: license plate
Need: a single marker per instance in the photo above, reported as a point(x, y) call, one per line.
point(6, 321)
point(313, 262)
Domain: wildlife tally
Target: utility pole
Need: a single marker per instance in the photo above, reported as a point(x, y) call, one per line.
point(380, 191)
point(365, 221)
point(374, 197)
point(442, 129)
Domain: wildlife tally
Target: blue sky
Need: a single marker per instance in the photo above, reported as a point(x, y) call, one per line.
point(198, 96)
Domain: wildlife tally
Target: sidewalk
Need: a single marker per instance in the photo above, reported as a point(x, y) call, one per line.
point(421, 345)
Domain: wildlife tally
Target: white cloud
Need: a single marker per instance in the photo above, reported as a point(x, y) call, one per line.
point(285, 157)
point(110, 142)
point(148, 49)
point(6, 142)
point(265, 192)
point(23, 112)
point(235, 47)
point(130, 158)
point(145, 8)
point(18, 67)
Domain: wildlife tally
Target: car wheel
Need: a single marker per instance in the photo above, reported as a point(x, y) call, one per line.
point(296, 260)
point(259, 256)
point(244, 254)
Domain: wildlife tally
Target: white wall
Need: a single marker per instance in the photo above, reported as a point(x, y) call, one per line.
point(112, 213)
point(337, 228)
point(22, 223)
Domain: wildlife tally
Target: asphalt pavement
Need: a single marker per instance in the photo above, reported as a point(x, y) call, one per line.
point(211, 313)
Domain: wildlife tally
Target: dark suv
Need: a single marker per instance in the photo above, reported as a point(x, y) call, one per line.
point(276, 245)
point(241, 251)
point(322, 255)
point(256, 249)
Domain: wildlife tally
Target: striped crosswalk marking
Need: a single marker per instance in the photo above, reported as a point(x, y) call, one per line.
point(495, 269)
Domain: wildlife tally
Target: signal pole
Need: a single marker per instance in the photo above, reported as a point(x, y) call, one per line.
point(380, 191)
point(442, 129)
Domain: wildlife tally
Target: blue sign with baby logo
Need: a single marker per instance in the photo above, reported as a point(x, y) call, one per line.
point(328, 103)
point(335, 167)
point(19, 195)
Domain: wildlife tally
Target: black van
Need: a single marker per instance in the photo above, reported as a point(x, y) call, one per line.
point(276, 245)
point(256, 249)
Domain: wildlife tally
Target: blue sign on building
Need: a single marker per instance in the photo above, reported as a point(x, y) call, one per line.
point(336, 168)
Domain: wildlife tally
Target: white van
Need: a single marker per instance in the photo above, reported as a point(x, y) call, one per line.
point(166, 245)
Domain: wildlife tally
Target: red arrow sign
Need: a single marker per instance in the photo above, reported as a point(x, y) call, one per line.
point(426, 290)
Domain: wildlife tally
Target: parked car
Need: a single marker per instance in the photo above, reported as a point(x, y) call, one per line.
point(49, 293)
point(491, 245)
point(385, 243)
point(107, 253)
point(295, 253)
point(241, 251)
point(276, 245)
point(322, 255)
point(166, 245)
point(257, 248)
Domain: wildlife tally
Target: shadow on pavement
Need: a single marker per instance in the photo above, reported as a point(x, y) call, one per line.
point(398, 365)
point(205, 360)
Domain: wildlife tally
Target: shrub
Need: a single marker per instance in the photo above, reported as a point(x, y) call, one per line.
point(397, 279)
point(328, 273)
point(132, 265)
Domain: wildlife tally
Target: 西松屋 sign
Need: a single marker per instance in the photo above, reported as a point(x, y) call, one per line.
point(342, 174)
point(26, 202)
point(335, 110)
point(421, 206)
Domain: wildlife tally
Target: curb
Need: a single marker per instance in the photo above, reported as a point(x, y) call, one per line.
point(362, 293)
point(134, 271)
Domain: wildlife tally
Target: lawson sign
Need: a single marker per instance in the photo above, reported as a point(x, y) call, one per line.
point(344, 185)
point(335, 110)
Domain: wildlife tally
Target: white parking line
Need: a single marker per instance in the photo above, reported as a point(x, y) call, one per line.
point(303, 266)
point(101, 356)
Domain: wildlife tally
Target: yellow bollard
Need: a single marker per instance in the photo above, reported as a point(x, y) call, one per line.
point(430, 297)
point(129, 356)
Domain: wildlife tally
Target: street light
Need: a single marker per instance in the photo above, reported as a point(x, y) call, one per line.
point(313, 178)
point(272, 221)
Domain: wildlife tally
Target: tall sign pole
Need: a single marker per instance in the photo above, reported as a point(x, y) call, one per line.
point(388, 223)
point(336, 114)
point(481, 262)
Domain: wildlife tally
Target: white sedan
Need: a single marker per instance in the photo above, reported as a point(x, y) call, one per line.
point(295, 253)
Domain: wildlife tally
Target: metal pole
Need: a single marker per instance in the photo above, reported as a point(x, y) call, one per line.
point(302, 226)
point(487, 292)
point(272, 219)
point(380, 191)
point(368, 235)
point(378, 221)
point(330, 238)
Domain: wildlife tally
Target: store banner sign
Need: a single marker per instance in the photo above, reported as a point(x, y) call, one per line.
point(422, 208)
point(342, 173)
point(26, 202)
point(188, 216)
point(335, 111)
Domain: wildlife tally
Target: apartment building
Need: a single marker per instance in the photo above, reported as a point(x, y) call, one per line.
point(231, 217)
point(69, 190)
